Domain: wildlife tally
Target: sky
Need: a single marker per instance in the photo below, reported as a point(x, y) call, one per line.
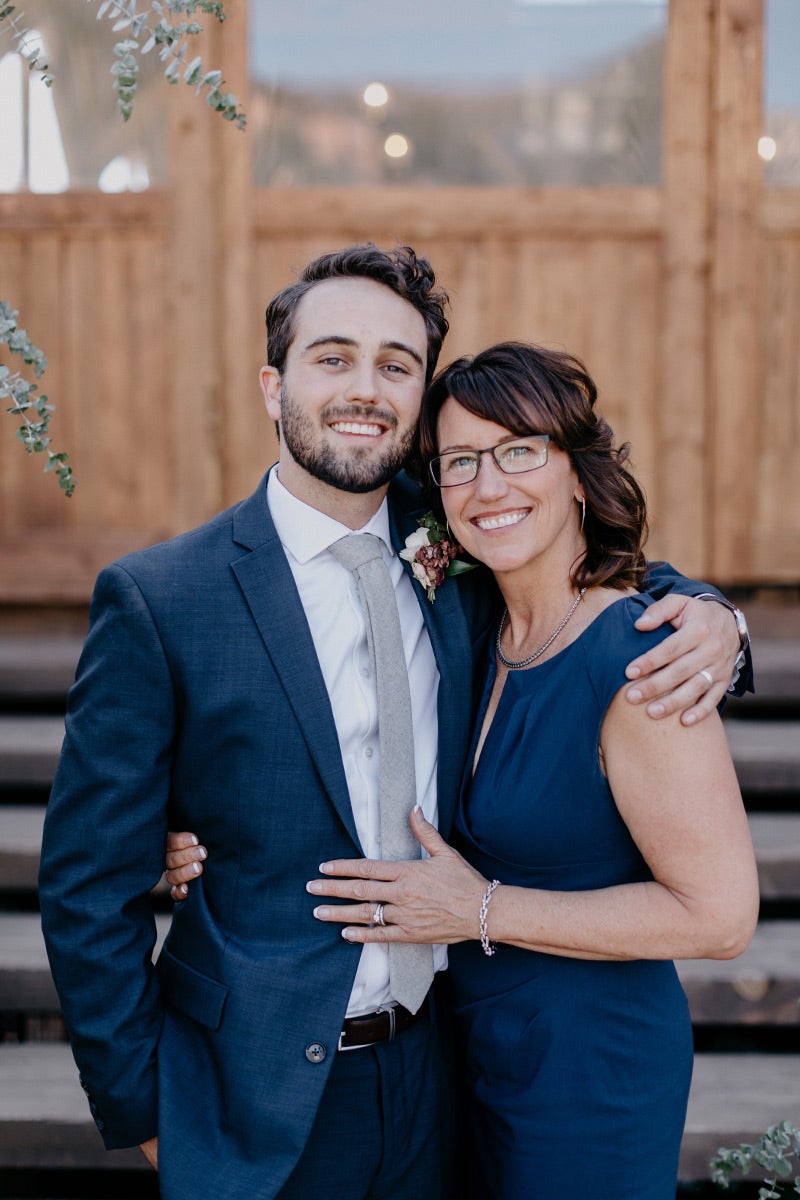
point(479, 42)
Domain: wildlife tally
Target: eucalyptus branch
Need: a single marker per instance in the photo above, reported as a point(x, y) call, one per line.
point(773, 1152)
point(24, 48)
point(172, 43)
point(34, 432)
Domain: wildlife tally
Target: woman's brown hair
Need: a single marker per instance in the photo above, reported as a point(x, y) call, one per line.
point(528, 389)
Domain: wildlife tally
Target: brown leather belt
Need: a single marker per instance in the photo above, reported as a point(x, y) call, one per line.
point(383, 1025)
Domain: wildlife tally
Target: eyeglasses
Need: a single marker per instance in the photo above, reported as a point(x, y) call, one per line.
point(513, 458)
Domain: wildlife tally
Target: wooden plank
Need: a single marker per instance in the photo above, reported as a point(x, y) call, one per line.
point(26, 985)
point(681, 531)
point(736, 348)
point(45, 1122)
point(735, 1098)
point(44, 1117)
point(60, 568)
point(766, 755)
point(239, 340)
point(761, 987)
point(29, 750)
point(37, 668)
point(192, 414)
point(21, 828)
point(776, 521)
point(776, 841)
point(780, 212)
point(150, 469)
point(78, 211)
point(348, 214)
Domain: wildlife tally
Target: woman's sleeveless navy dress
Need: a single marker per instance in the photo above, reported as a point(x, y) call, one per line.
point(577, 1071)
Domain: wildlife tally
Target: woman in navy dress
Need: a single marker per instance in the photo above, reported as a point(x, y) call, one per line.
point(593, 845)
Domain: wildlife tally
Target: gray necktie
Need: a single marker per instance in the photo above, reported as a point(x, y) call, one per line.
point(410, 966)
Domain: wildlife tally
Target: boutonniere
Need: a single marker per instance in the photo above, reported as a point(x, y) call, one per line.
point(432, 553)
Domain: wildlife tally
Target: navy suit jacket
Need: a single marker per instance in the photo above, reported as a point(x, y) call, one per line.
point(199, 704)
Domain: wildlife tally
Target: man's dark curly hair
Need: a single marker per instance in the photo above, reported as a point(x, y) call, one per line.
point(408, 276)
point(529, 389)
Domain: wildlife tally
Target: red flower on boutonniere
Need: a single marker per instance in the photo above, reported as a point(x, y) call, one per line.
point(432, 553)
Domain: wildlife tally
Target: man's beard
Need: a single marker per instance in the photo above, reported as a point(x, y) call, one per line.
point(349, 469)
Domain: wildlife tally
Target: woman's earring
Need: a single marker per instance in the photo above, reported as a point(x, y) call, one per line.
point(583, 511)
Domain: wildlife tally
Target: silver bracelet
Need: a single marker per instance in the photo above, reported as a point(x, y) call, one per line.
point(487, 945)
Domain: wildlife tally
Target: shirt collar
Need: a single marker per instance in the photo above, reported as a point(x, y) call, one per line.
point(305, 531)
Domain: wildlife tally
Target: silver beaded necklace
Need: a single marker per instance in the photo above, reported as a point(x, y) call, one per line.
point(526, 662)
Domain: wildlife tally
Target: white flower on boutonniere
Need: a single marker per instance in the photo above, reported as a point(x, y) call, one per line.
point(432, 553)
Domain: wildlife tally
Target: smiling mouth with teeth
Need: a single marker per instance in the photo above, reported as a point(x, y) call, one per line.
point(358, 428)
point(502, 520)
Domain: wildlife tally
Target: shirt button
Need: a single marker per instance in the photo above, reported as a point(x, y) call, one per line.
point(316, 1052)
point(368, 753)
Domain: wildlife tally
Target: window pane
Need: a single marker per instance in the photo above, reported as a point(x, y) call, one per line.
point(457, 91)
point(72, 133)
point(780, 145)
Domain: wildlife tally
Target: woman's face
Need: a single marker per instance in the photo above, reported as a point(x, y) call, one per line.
point(507, 521)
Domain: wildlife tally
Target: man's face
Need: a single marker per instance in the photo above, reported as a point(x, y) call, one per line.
point(349, 396)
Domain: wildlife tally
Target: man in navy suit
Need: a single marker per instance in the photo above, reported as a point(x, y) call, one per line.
point(225, 687)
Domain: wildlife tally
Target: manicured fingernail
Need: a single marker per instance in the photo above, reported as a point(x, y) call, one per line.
point(183, 889)
point(655, 710)
point(633, 672)
point(634, 695)
point(202, 853)
point(313, 887)
point(194, 840)
point(196, 868)
point(325, 868)
point(321, 912)
point(689, 719)
point(346, 935)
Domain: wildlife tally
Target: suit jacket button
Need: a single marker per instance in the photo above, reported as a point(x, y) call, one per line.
point(316, 1052)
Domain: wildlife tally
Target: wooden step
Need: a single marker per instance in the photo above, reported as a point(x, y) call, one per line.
point(761, 987)
point(26, 985)
point(45, 1121)
point(735, 1098)
point(29, 750)
point(776, 838)
point(44, 1117)
point(766, 754)
point(20, 842)
point(20, 845)
point(38, 668)
point(777, 670)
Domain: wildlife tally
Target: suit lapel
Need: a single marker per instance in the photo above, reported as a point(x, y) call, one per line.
point(450, 638)
point(266, 580)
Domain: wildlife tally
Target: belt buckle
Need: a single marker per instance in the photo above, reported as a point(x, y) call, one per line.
point(363, 1045)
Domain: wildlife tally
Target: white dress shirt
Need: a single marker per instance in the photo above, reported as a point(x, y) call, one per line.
point(329, 595)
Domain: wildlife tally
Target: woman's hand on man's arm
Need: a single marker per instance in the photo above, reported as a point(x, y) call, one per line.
point(184, 862)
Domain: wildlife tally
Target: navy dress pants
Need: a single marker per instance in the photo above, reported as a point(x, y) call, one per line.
point(381, 1131)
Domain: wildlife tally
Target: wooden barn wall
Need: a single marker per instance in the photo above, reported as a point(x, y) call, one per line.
point(684, 301)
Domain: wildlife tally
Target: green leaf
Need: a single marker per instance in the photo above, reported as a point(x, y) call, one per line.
point(457, 567)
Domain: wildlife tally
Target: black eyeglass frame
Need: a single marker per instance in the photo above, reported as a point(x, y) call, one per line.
point(539, 437)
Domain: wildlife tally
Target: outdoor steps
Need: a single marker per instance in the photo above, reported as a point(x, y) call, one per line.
point(26, 985)
point(766, 752)
point(735, 1098)
point(45, 1122)
point(762, 986)
point(746, 1002)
